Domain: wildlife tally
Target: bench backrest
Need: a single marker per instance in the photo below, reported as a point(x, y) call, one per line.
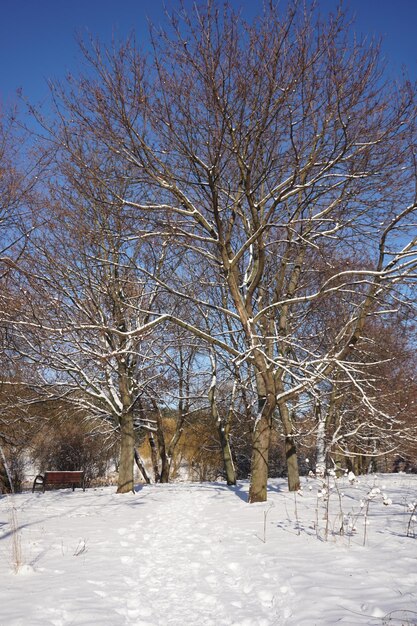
point(63, 477)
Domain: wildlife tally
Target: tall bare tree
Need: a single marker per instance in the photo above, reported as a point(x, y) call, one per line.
point(83, 318)
point(253, 151)
point(18, 181)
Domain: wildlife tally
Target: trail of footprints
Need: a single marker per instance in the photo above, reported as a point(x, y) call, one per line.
point(186, 580)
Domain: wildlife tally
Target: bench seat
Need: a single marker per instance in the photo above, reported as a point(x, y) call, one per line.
point(59, 478)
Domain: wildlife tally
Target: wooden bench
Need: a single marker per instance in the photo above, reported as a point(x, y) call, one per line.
point(76, 479)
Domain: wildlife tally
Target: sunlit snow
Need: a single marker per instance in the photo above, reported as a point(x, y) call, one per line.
point(198, 554)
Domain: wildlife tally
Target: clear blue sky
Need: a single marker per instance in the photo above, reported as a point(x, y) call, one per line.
point(37, 36)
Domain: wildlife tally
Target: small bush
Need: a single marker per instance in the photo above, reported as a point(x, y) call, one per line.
point(71, 447)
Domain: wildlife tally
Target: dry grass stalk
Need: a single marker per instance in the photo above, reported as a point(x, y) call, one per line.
point(16, 540)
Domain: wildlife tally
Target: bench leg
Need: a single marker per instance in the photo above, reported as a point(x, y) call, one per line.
point(39, 480)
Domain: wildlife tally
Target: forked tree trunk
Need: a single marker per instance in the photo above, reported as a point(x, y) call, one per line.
point(222, 429)
point(166, 455)
point(166, 452)
point(127, 441)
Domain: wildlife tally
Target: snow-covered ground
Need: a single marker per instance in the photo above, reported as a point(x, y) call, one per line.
point(198, 554)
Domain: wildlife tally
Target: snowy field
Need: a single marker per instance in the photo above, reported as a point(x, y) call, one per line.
point(191, 554)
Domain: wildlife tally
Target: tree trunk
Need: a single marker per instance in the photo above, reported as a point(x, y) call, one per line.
point(321, 460)
point(292, 463)
point(127, 441)
point(166, 467)
point(290, 448)
point(166, 452)
point(324, 423)
point(163, 454)
point(260, 451)
point(141, 467)
point(222, 428)
point(154, 457)
point(167, 455)
point(229, 466)
point(6, 482)
point(259, 462)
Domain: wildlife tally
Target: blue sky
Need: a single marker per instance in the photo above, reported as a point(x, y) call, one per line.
point(37, 37)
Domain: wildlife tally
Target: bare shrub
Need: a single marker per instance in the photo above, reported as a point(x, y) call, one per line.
point(70, 446)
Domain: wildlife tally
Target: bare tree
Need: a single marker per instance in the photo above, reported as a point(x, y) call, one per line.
point(177, 393)
point(18, 179)
point(252, 151)
point(367, 411)
point(83, 319)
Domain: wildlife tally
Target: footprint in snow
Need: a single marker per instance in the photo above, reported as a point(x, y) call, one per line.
point(234, 567)
point(206, 553)
point(127, 560)
point(211, 579)
point(129, 613)
point(204, 598)
point(99, 583)
point(266, 597)
point(287, 590)
point(237, 604)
